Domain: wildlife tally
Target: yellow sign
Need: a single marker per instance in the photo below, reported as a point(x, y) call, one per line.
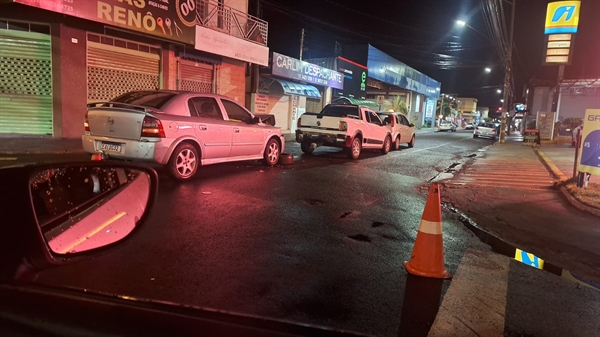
point(558, 51)
point(529, 259)
point(562, 17)
point(557, 59)
point(559, 44)
point(590, 143)
point(559, 37)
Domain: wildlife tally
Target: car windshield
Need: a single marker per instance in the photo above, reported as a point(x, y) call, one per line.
point(151, 99)
point(337, 164)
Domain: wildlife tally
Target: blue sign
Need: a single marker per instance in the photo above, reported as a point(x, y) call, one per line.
point(389, 70)
point(298, 70)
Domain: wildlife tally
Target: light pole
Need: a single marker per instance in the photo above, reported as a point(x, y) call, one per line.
point(507, 76)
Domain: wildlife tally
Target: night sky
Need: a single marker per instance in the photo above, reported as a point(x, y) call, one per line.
point(423, 34)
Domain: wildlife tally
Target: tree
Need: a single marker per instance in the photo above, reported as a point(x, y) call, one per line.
point(448, 109)
point(397, 104)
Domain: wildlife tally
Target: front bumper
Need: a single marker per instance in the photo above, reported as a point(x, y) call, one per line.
point(130, 149)
point(323, 138)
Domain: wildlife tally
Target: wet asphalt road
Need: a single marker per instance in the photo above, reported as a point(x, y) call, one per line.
point(320, 242)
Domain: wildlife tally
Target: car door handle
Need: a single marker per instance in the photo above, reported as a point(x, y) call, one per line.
point(236, 130)
point(203, 127)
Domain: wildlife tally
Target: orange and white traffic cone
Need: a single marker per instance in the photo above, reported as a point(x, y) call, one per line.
point(428, 254)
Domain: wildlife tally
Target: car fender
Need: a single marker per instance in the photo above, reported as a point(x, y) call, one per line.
point(176, 142)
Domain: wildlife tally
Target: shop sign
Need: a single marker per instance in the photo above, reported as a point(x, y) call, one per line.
point(298, 70)
point(562, 17)
point(261, 102)
point(590, 143)
point(168, 19)
point(429, 108)
point(230, 46)
point(355, 79)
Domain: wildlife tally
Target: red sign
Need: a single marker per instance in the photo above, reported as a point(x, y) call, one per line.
point(168, 19)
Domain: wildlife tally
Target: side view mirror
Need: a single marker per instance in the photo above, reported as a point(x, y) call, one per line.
point(412, 125)
point(83, 207)
point(255, 120)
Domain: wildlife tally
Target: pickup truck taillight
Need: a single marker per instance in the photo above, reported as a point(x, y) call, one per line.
point(343, 126)
point(152, 127)
point(476, 128)
point(86, 125)
point(299, 123)
point(494, 130)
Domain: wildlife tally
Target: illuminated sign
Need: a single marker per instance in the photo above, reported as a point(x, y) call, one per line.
point(559, 37)
point(557, 59)
point(355, 79)
point(558, 51)
point(289, 67)
point(559, 44)
point(172, 20)
point(562, 17)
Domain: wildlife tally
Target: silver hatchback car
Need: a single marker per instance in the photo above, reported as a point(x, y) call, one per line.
point(181, 130)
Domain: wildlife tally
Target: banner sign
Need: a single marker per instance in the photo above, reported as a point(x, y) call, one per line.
point(531, 137)
point(590, 143)
point(226, 45)
point(168, 19)
point(429, 106)
point(289, 67)
point(355, 79)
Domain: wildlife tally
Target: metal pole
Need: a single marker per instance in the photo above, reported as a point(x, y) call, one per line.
point(301, 43)
point(507, 79)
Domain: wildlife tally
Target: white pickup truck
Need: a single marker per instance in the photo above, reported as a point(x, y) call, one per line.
point(350, 127)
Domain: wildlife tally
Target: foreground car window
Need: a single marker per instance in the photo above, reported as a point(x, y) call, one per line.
point(151, 99)
point(205, 107)
point(235, 112)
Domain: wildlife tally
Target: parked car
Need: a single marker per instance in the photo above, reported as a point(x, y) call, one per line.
point(487, 130)
point(347, 126)
point(446, 126)
point(181, 130)
point(469, 126)
point(402, 130)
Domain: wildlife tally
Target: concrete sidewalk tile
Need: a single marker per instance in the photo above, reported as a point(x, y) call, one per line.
point(555, 170)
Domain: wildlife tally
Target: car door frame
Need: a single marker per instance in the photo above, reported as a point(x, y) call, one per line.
point(248, 140)
point(215, 136)
point(374, 130)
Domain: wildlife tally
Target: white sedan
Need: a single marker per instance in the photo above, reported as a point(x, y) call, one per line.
point(181, 130)
point(446, 126)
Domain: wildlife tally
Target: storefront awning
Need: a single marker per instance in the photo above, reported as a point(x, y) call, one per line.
point(358, 102)
point(293, 88)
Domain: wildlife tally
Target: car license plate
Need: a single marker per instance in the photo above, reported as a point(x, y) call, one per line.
point(111, 147)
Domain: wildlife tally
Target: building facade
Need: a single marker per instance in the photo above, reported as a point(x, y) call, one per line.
point(57, 58)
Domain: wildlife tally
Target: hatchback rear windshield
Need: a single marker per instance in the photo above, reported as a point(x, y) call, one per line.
point(488, 125)
point(340, 111)
point(151, 99)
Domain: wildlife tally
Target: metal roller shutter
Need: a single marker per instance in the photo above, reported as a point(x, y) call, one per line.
point(25, 83)
point(194, 76)
point(313, 105)
point(113, 71)
point(280, 108)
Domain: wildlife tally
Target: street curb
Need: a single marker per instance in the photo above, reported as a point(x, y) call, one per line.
point(561, 177)
point(15, 153)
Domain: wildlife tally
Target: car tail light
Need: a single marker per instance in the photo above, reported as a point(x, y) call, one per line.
point(476, 128)
point(494, 130)
point(343, 126)
point(299, 123)
point(86, 125)
point(152, 127)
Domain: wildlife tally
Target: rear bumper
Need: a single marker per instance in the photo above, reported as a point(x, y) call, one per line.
point(322, 138)
point(485, 135)
point(130, 149)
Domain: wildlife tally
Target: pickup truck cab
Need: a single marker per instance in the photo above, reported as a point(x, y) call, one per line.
point(346, 126)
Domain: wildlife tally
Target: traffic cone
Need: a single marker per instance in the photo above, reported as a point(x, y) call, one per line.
point(428, 254)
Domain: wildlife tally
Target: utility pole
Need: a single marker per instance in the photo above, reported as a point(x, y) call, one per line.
point(301, 43)
point(507, 76)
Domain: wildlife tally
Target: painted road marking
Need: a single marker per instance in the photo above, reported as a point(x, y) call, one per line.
point(478, 289)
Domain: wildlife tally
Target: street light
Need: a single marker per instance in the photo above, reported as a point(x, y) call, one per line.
point(499, 91)
point(461, 23)
point(488, 70)
point(502, 101)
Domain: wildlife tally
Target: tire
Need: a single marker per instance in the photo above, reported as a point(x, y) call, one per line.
point(387, 145)
point(184, 162)
point(412, 142)
point(307, 147)
point(353, 152)
point(396, 144)
point(272, 152)
point(475, 136)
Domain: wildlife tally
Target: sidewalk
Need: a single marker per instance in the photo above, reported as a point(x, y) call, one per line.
point(563, 157)
point(517, 202)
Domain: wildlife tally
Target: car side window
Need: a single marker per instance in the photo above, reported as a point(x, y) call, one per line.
point(373, 118)
point(404, 120)
point(235, 112)
point(205, 107)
